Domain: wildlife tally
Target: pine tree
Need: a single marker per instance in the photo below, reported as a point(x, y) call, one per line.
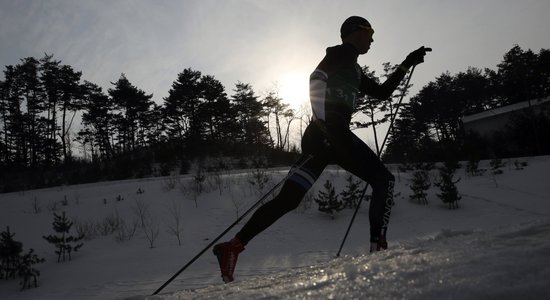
point(420, 184)
point(449, 193)
point(352, 194)
point(13, 264)
point(328, 200)
point(249, 111)
point(215, 109)
point(64, 243)
point(9, 254)
point(71, 102)
point(133, 105)
point(182, 105)
point(26, 271)
point(98, 121)
point(379, 110)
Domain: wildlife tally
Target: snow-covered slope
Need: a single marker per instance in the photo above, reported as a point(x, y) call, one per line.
point(495, 246)
point(505, 264)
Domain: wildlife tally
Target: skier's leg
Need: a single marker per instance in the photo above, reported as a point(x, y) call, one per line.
point(294, 188)
point(365, 164)
point(290, 196)
point(303, 175)
point(380, 211)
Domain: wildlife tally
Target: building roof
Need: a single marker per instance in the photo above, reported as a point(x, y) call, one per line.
point(504, 109)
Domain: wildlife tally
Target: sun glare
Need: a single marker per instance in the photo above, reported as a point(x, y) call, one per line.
point(294, 89)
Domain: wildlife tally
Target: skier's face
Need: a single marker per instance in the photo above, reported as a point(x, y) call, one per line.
point(364, 39)
point(361, 39)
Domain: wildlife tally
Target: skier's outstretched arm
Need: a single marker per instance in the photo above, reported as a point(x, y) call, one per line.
point(384, 90)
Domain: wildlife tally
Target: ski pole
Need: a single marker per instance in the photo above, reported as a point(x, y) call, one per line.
point(397, 109)
point(232, 225)
point(381, 149)
point(352, 219)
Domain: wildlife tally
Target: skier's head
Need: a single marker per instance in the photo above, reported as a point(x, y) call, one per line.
point(358, 32)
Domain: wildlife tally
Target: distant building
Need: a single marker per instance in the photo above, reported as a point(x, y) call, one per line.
point(488, 122)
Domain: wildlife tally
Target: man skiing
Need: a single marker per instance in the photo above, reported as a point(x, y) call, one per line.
point(335, 85)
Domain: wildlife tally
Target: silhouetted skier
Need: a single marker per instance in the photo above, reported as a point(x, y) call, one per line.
point(335, 85)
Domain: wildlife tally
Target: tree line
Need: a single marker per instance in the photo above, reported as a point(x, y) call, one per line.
point(40, 99)
point(429, 127)
point(123, 131)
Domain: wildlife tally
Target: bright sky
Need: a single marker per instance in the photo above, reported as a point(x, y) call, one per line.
point(261, 42)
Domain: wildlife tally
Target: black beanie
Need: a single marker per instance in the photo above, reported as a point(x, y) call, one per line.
point(351, 24)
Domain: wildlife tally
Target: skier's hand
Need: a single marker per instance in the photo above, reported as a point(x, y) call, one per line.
point(416, 57)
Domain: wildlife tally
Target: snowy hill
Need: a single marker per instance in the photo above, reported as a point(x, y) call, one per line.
point(510, 264)
point(495, 245)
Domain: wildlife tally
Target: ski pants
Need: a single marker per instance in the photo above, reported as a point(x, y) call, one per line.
point(350, 153)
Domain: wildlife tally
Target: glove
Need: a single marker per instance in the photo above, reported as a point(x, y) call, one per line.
point(416, 57)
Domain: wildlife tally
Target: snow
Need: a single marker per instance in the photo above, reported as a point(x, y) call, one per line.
point(496, 245)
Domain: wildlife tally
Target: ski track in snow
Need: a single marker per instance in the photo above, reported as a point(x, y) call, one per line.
point(506, 205)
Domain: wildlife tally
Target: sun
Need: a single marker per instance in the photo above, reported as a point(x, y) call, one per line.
point(294, 89)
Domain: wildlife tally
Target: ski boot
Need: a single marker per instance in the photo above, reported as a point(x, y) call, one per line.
point(378, 245)
point(227, 254)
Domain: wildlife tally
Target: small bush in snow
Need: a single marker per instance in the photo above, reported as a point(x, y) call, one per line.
point(65, 201)
point(449, 193)
point(259, 179)
point(35, 206)
point(9, 254)
point(472, 168)
point(52, 206)
point(496, 169)
point(14, 264)
point(520, 165)
point(238, 203)
point(328, 200)
point(352, 193)
point(146, 222)
point(496, 166)
point(198, 179)
point(169, 182)
point(151, 230)
point(86, 229)
point(420, 183)
point(126, 232)
point(25, 270)
point(110, 224)
point(175, 227)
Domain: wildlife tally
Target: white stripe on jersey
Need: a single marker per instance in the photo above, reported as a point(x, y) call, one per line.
point(317, 93)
